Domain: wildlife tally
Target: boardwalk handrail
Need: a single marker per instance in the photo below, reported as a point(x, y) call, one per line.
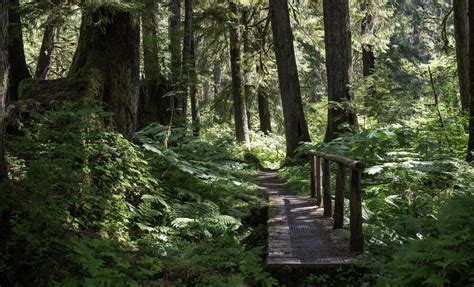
point(356, 167)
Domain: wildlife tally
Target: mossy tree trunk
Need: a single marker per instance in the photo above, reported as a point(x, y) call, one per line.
point(108, 57)
point(105, 68)
point(16, 53)
point(337, 31)
point(238, 90)
point(3, 82)
point(296, 128)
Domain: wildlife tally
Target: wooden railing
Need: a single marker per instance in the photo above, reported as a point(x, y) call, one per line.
point(356, 168)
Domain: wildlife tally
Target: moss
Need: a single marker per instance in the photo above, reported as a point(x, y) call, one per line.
point(25, 86)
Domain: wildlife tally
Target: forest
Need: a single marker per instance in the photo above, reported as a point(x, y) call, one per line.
point(148, 142)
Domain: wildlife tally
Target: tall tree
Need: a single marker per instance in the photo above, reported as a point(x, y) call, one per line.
point(368, 57)
point(195, 114)
point(264, 111)
point(296, 128)
point(217, 78)
point(470, 147)
point(187, 58)
point(238, 90)
point(155, 106)
point(461, 32)
point(247, 65)
point(337, 36)
point(175, 49)
point(16, 52)
point(107, 56)
point(50, 35)
point(3, 81)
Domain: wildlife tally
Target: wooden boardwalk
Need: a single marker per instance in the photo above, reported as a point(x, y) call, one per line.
point(298, 234)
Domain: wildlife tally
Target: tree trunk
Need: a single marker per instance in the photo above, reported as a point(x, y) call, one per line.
point(155, 106)
point(296, 128)
point(195, 115)
point(470, 148)
point(175, 49)
point(217, 79)
point(461, 32)
point(264, 111)
point(206, 91)
point(3, 83)
point(246, 64)
point(187, 58)
point(368, 58)
point(16, 53)
point(43, 65)
point(107, 57)
point(339, 68)
point(238, 90)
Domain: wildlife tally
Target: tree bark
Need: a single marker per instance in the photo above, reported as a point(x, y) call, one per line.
point(16, 53)
point(195, 115)
point(339, 68)
point(217, 79)
point(368, 57)
point(206, 89)
point(246, 64)
point(187, 58)
point(4, 67)
point(296, 128)
point(107, 57)
point(154, 105)
point(461, 32)
point(43, 65)
point(470, 147)
point(264, 111)
point(238, 90)
point(175, 49)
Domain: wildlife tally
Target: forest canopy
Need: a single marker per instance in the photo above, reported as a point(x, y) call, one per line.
point(133, 134)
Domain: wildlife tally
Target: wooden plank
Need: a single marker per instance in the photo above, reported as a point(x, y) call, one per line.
point(298, 233)
point(339, 202)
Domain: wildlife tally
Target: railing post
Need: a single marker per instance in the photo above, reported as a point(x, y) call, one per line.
point(357, 240)
point(339, 203)
point(327, 201)
point(318, 181)
point(313, 176)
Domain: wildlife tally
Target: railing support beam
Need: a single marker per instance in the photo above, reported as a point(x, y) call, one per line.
point(327, 200)
point(318, 181)
point(357, 242)
point(313, 176)
point(339, 203)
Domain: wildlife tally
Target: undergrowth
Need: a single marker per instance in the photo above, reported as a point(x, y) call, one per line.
point(416, 202)
point(86, 207)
